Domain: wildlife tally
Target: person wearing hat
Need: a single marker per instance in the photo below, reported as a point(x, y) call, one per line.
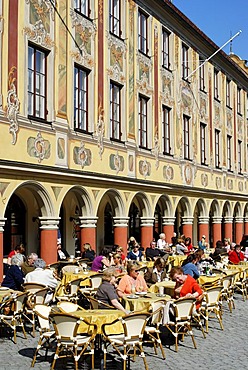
point(62, 253)
point(202, 243)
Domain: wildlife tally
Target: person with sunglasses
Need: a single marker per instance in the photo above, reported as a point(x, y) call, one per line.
point(132, 282)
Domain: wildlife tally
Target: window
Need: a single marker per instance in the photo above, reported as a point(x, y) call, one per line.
point(229, 153)
point(216, 84)
point(185, 61)
point(239, 156)
point(142, 32)
point(114, 17)
point(80, 99)
point(186, 137)
point(37, 83)
point(82, 6)
point(228, 93)
point(202, 74)
point(239, 109)
point(165, 49)
point(217, 148)
point(115, 116)
point(143, 122)
point(166, 128)
point(203, 143)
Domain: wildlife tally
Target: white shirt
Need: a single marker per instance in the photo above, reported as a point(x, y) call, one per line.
point(41, 276)
point(161, 243)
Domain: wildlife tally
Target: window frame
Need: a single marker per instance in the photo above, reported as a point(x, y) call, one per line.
point(78, 7)
point(166, 130)
point(185, 61)
point(142, 33)
point(165, 48)
point(203, 144)
point(229, 153)
point(228, 93)
point(217, 148)
point(239, 103)
point(85, 127)
point(113, 17)
point(112, 106)
point(33, 115)
point(202, 77)
point(216, 84)
point(143, 121)
point(186, 137)
point(239, 157)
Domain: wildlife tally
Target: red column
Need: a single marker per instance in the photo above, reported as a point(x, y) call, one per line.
point(246, 226)
point(216, 230)
point(228, 225)
point(2, 223)
point(88, 231)
point(48, 238)
point(187, 226)
point(120, 232)
point(168, 228)
point(146, 228)
point(239, 226)
point(203, 227)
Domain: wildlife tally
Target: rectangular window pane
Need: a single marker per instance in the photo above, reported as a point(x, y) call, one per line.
point(185, 61)
point(239, 156)
point(186, 134)
point(229, 153)
point(216, 84)
point(217, 148)
point(80, 99)
point(202, 74)
point(142, 33)
point(37, 82)
point(115, 123)
point(165, 49)
point(143, 122)
point(82, 6)
point(166, 135)
point(114, 17)
point(203, 142)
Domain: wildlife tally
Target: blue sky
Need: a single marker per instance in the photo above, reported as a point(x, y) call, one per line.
point(219, 19)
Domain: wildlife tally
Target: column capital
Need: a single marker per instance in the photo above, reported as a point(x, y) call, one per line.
point(2, 224)
point(49, 223)
point(246, 219)
point(168, 220)
point(187, 220)
point(217, 219)
point(146, 221)
point(89, 222)
point(121, 221)
point(239, 219)
point(228, 220)
point(203, 220)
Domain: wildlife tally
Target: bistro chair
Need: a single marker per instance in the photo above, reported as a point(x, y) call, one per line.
point(227, 291)
point(39, 297)
point(69, 343)
point(71, 290)
point(181, 322)
point(42, 313)
point(16, 303)
point(240, 284)
point(68, 307)
point(152, 331)
point(71, 269)
point(95, 282)
point(130, 340)
point(96, 304)
point(212, 305)
point(33, 287)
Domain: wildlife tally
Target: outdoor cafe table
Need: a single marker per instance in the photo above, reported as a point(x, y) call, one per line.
point(168, 286)
point(70, 276)
point(141, 302)
point(177, 259)
point(100, 317)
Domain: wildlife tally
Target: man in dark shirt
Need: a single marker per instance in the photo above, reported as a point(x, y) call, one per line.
point(152, 253)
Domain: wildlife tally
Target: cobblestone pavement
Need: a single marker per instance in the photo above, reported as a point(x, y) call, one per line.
point(222, 350)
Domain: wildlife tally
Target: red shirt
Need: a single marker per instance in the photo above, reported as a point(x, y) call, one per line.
point(235, 257)
point(191, 286)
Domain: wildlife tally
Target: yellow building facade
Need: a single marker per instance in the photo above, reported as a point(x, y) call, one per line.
point(112, 124)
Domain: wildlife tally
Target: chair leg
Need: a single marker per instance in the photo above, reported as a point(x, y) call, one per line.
point(36, 352)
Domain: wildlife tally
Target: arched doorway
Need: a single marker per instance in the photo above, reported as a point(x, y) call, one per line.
point(134, 222)
point(108, 225)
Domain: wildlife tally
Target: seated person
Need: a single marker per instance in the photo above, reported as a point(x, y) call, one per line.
point(236, 255)
point(41, 275)
point(19, 249)
point(102, 261)
point(189, 266)
point(118, 265)
point(219, 250)
point(189, 245)
point(181, 248)
point(14, 277)
point(156, 273)
point(28, 265)
point(106, 292)
point(88, 252)
point(131, 281)
point(135, 254)
point(152, 253)
point(186, 286)
point(62, 253)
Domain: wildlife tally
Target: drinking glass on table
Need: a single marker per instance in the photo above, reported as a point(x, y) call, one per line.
point(133, 290)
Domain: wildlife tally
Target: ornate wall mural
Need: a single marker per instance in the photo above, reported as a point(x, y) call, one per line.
point(144, 73)
point(218, 182)
point(61, 148)
point(145, 168)
point(100, 129)
point(81, 155)
point(116, 162)
point(217, 120)
point(38, 147)
point(13, 106)
point(167, 81)
point(41, 10)
point(168, 173)
point(204, 179)
point(203, 107)
point(117, 54)
point(131, 164)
